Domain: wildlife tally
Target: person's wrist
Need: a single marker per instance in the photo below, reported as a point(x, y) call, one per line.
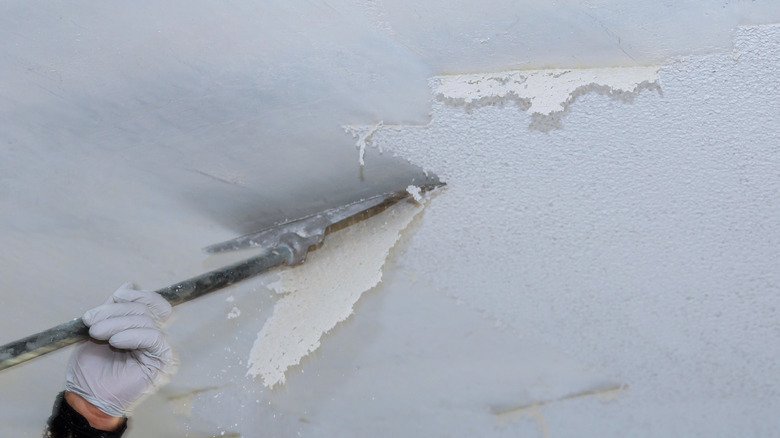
point(96, 418)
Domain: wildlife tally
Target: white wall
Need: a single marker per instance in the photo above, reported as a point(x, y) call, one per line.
point(634, 244)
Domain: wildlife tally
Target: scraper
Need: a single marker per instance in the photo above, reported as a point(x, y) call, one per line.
point(286, 243)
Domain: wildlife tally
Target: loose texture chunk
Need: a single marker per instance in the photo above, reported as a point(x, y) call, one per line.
point(546, 91)
point(322, 292)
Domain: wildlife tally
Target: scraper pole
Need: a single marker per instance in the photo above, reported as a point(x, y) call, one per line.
point(74, 331)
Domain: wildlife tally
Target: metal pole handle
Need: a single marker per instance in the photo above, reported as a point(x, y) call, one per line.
point(74, 331)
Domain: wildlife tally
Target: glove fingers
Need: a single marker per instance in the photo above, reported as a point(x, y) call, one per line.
point(113, 310)
point(128, 285)
point(149, 339)
point(107, 328)
point(158, 306)
point(137, 360)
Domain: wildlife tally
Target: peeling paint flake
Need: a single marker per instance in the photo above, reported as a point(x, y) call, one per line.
point(416, 193)
point(544, 91)
point(234, 313)
point(363, 135)
point(321, 293)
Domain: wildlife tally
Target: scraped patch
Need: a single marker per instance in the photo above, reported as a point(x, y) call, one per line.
point(533, 410)
point(545, 91)
point(321, 292)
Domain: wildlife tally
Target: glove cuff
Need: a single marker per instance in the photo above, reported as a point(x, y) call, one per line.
point(65, 422)
point(104, 406)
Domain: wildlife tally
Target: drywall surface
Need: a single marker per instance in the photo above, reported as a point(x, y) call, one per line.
point(496, 35)
point(640, 236)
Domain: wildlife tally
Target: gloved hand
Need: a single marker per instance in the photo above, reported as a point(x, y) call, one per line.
point(115, 376)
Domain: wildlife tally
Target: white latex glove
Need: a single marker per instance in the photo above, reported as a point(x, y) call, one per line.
point(136, 360)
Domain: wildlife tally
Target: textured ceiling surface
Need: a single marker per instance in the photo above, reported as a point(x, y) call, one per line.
point(132, 135)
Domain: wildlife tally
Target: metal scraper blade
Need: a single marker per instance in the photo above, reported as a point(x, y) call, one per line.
point(314, 227)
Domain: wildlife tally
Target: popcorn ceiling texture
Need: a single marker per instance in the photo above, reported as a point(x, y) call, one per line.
point(640, 235)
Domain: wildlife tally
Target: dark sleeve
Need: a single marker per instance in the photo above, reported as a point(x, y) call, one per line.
point(67, 423)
